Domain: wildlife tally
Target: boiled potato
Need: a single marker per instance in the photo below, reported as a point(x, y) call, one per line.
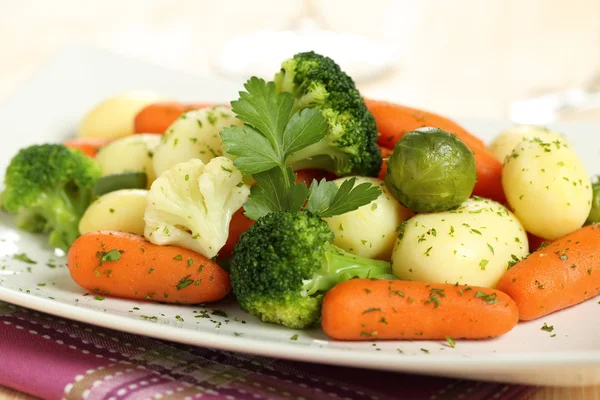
point(114, 117)
point(121, 210)
point(370, 231)
point(129, 154)
point(548, 188)
point(503, 144)
point(194, 134)
point(471, 245)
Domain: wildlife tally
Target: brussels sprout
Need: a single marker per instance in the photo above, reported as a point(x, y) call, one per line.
point(595, 211)
point(431, 170)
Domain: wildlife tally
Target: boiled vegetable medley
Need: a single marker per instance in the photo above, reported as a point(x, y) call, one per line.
point(312, 205)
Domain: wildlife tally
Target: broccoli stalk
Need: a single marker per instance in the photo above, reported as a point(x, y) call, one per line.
point(48, 188)
point(350, 146)
point(339, 265)
point(283, 265)
point(58, 214)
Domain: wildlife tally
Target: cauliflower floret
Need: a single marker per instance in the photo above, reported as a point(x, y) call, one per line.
point(190, 205)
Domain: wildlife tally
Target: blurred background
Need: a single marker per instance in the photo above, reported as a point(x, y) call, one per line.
point(464, 58)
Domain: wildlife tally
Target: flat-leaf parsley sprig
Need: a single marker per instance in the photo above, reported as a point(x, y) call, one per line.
point(271, 133)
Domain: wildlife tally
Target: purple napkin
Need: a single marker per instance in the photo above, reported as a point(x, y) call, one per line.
point(55, 358)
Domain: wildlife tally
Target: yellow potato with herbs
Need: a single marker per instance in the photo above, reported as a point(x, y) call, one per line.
point(121, 210)
point(130, 154)
point(503, 144)
point(370, 231)
point(115, 117)
point(548, 187)
point(471, 245)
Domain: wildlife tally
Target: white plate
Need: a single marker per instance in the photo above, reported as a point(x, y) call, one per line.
point(49, 108)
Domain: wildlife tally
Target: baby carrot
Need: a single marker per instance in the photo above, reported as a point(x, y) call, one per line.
point(89, 146)
point(385, 154)
point(489, 176)
point(564, 273)
point(157, 117)
point(238, 225)
point(394, 120)
point(126, 265)
point(364, 309)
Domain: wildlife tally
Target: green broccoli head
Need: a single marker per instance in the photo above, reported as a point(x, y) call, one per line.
point(48, 187)
point(282, 266)
point(350, 147)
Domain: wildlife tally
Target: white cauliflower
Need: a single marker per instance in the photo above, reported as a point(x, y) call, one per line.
point(195, 134)
point(190, 205)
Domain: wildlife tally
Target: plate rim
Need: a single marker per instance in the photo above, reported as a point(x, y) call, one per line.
point(299, 353)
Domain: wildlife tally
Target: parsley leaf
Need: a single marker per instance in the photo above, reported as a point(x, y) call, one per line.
point(275, 191)
point(326, 200)
point(305, 128)
point(272, 132)
point(266, 110)
point(254, 151)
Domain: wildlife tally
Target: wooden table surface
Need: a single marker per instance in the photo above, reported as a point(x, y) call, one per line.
point(465, 58)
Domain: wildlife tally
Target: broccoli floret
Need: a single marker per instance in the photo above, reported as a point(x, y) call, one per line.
point(191, 204)
point(283, 265)
point(48, 187)
point(350, 147)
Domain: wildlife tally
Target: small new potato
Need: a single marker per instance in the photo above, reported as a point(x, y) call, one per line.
point(471, 245)
point(430, 170)
point(195, 134)
point(114, 117)
point(369, 231)
point(503, 144)
point(130, 154)
point(548, 188)
point(121, 210)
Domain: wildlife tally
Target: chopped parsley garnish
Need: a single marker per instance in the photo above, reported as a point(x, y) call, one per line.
point(220, 313)
point(294, 337)
point(487, 298)
point(109, 256)
point(547, 328)
point(23, 257)
point(483, 263)
point(369, 310)
point(451, 341)
point(184, 282)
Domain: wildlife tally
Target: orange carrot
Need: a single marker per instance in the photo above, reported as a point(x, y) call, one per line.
point(560, 275)
point(238, 225)
point(394, 120)
point(364, 309)
point(89, 146)
point(385, 154)
point(489, 174)
point(157, 117)
point(125, 265)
